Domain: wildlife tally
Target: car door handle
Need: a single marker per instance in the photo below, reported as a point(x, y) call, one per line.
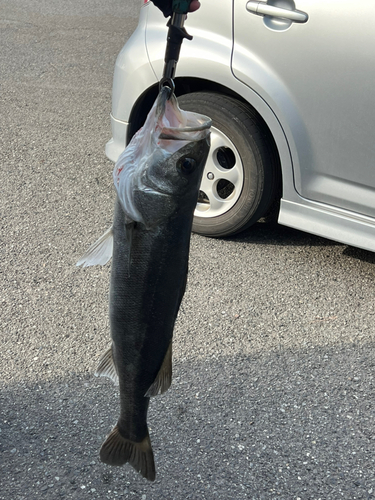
point(263, 9)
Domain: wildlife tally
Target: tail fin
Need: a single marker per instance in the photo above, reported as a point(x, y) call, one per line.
point(117, 450)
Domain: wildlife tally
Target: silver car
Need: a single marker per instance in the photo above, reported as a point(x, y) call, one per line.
point(290, 89)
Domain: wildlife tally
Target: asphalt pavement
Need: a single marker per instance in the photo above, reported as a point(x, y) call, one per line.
point(273, 392)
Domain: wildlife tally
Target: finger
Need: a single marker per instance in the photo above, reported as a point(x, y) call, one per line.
point(195, 4)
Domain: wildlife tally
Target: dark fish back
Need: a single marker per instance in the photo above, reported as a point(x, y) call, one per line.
point(148, 281)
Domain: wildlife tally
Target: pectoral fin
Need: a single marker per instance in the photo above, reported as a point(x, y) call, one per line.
point(164, 377)
point(100, 252)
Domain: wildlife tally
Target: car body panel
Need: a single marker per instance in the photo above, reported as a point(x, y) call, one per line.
point(334, 224)
point(211, 48)
point(321, 88)
point(133, 74)
point(344, 213)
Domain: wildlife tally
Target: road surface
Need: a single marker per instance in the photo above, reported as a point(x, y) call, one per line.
point(273, 390)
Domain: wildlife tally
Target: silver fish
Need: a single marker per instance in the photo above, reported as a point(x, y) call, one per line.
point(157, 179)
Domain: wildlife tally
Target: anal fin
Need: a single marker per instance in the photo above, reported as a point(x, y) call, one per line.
point(116, 450)
point(164, 377)
point(107, 367)
point(100, 252)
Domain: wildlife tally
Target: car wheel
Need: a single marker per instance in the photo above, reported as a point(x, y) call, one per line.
point(242, 174)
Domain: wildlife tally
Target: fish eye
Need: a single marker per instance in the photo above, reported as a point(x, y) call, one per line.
point(187, 165)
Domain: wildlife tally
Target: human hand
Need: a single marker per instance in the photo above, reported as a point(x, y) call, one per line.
point(166, 6)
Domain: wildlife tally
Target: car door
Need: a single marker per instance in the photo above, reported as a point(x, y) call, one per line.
point(313, 62)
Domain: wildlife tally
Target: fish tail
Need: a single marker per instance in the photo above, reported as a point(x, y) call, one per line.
point(116, 450)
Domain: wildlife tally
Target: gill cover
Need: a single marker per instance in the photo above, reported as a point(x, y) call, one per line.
point(167, 129)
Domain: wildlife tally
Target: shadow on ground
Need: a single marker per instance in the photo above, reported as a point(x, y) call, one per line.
point(277, 425)
point(271, 233)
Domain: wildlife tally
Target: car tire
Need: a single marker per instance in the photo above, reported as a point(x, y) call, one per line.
point(241, 180)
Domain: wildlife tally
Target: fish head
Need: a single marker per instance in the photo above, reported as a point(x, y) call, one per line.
point(161, 169)
point(180, 174)
point(170, 187)
point(182, 145)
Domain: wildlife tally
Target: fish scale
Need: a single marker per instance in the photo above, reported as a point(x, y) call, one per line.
point(144, 304)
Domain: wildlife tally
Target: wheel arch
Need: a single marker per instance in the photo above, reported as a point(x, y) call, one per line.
point(183, 86)
point(187, 85)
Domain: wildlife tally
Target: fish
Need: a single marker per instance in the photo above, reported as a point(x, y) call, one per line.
point(157, 179)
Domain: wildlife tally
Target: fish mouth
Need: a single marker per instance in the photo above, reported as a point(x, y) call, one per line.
point(188, 134)
point(178, 134)
point(178, 125)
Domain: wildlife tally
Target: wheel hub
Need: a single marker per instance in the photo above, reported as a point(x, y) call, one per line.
point(222, 180)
